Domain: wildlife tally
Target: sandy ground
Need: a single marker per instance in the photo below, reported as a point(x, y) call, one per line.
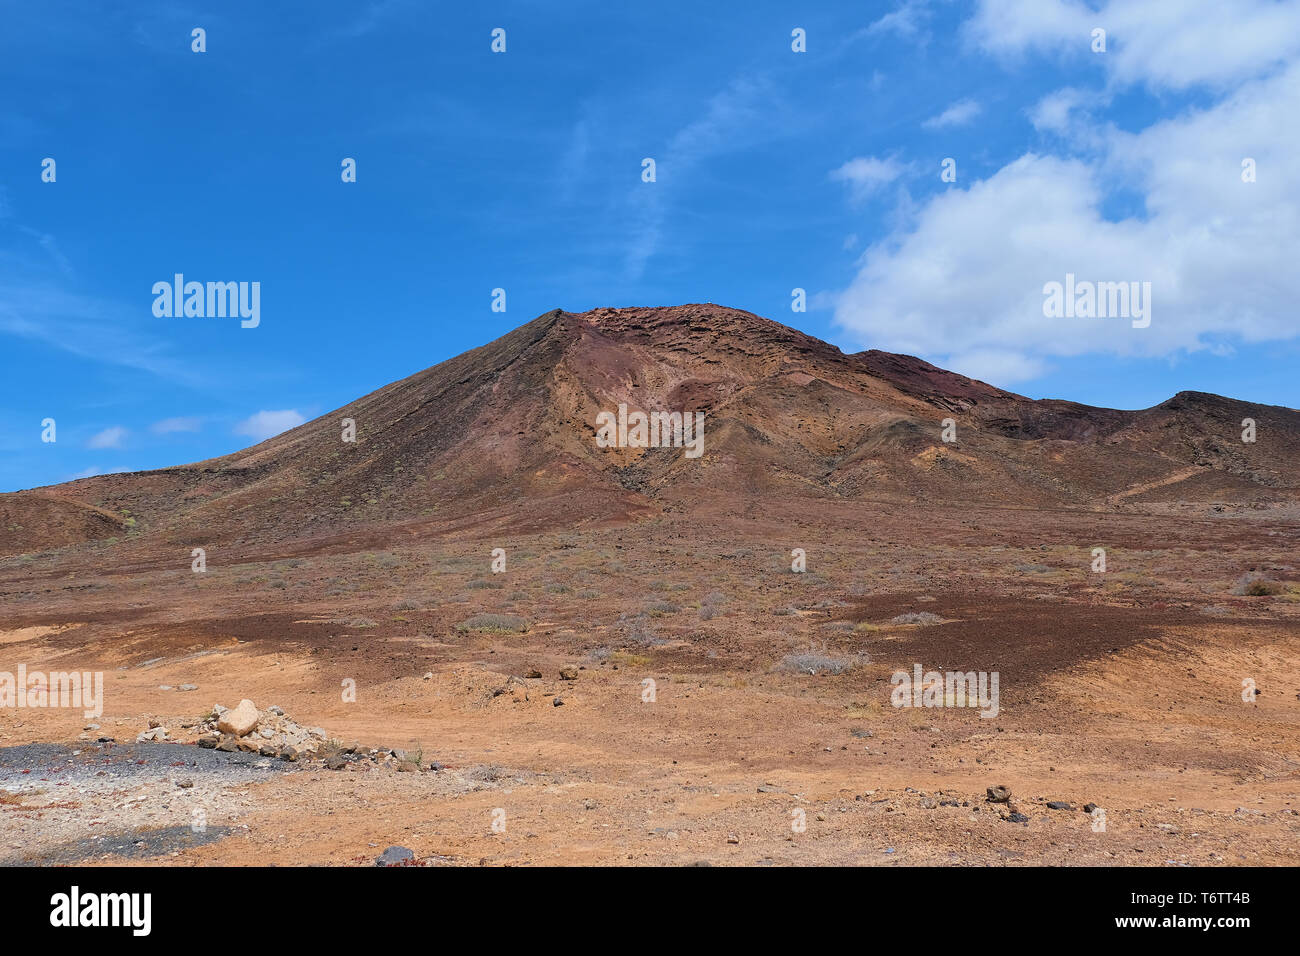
point(1122, 689)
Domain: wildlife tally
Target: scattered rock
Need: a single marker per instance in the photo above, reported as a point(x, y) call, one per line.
point(557, 703)
point(568, 673)
point(732, 838)
point(395, 856)
point(1016, 817)
point(533, 673)
point(999, 794)
point(1058, 805)
point(928, 803)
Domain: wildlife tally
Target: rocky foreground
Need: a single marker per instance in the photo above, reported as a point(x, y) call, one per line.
point(272, 733)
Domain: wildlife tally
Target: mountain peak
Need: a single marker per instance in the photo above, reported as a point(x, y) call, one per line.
point(508, 429)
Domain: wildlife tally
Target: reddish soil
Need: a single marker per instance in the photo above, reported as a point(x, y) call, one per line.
point(329, 563)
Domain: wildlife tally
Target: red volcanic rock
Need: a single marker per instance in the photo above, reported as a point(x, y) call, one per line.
point(505, 434)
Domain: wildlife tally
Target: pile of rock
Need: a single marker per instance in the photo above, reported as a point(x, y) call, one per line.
point(268, 732)
point(271, 733)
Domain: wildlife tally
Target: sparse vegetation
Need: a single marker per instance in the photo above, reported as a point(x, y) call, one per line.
point(922, 618)
point(816, 662)
point(1253, 584)
point(502, 623)
point(637, 630)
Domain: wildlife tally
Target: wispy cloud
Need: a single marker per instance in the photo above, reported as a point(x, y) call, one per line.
point(573, 164)
point(959, 114)
point(36, 302)
point(865, 175)
point(734, 119)
point(1052, 112)
point(108, 438)
point(907, 21)
point(169, 425)
point(267, 424)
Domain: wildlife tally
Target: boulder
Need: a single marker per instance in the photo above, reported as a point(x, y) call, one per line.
point(395, 856)
point(241, 721)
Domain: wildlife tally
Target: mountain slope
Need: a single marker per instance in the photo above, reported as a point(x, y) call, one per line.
point(508, 430)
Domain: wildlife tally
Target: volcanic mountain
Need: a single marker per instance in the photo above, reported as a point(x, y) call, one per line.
point(506, 433)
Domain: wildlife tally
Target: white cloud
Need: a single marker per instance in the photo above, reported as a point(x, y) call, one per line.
point(997, 368)
point(960, 113)
point(1171, 44)
point(169, 425)
point(1053, 112)
point(108, 438)
point(963, 283)
point(746, 111)
point(267, 424)
point(906, 21)
point(866, 174)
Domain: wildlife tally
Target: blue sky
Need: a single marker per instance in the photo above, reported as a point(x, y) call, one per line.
point(522, 170)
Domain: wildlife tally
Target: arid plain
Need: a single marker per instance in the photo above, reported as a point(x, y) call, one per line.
point(649, 680)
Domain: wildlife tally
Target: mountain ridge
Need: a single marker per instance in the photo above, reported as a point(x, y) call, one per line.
point(511, 424)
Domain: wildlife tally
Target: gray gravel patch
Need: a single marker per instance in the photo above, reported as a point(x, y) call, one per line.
point(64, 804)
